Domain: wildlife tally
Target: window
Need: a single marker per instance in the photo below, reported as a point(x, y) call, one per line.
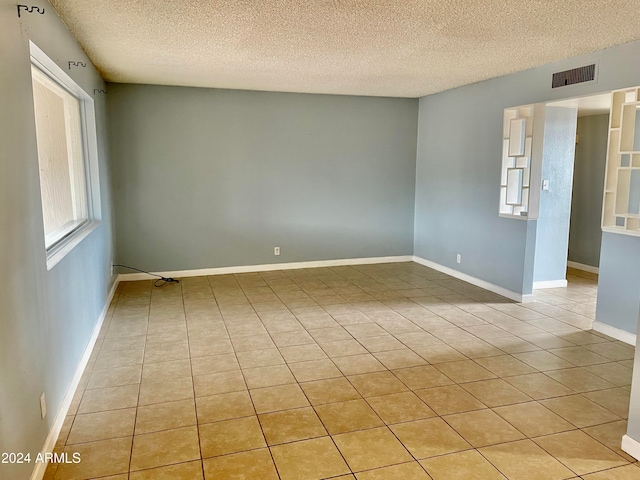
point(67, 156)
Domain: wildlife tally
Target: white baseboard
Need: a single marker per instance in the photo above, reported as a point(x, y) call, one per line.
point(616, 333)
point(518, 297)
point(583, 267)
point(550, 284)
point(50, 442)
point(631, 446)
point(127, 277)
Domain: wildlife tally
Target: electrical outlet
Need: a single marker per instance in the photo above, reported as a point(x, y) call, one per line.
point(276, 250)
point(458, 258)
point(43, 405)
point(112, 269)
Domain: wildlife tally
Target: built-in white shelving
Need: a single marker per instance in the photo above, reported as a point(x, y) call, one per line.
point(621, 203)
point(517, 144)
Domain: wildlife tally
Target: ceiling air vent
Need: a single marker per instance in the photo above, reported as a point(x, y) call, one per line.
point(576, 75)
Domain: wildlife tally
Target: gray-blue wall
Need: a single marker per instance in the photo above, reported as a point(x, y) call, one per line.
point(212, 178)
point(552, 236)
point(46, 317)
point(618, 301)
point(458, 166)
point(585, 233)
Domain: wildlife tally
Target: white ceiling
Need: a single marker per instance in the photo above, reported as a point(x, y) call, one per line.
point(402, 48)
point(591, 105)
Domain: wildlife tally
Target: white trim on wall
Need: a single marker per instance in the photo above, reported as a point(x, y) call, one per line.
point(518, 297)
point(550, 284)
point(617, 333)
point(583, 267)
point(631, 446)
point(50, 442)
point(127, 277)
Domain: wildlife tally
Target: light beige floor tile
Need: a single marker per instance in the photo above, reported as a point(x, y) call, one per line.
point(477, 348)
point(376, 384)
point(405, 358)
point(358, 364)
point(115, 377)
point(400, 407)
point(348, 416)
point(615, 400)
point(467, 465)
point(97, 459)
point(288, 339)
point(342, 348)
point(505, 366)
point(120, 358)
point(165, 416)
point(430, 437)
point(368, 449)
point(181, 471)
point(167, 391)
point(314, 370)
point(524, 460)
point(112, 398)
point(282, 397)
point(199, 348)
point(313, 459)
point(163, 371)
point(422, 377)
point(165, 448)
point(609, 434)
point(253, 342)
point(450, 399)
point(291, 425)
point(627, 472)
point(260, 358)
point(166, 352)
point(614, 373)
point(580, 452)
point(330, 391)
point(404, 471)
point(254, 464)
point(268, 376)
point(224, 406)
point(214, 364)
point(612, 350)
point(539, 386)
point(579, 356)
point(92, 427)
point(215, 383)
point(436, 354)
point(579, 410)
point(464, 371)
point(230, 436)
point(495, 393)
point(533, 419)
point(579, 379)
point(543, 360)
point(382, 343)
point(483, 427)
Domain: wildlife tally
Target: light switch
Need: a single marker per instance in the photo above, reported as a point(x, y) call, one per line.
point(545, 184)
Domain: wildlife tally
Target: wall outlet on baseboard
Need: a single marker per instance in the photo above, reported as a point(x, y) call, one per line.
point(276, 250)
point(458, 258)
point(43, 405)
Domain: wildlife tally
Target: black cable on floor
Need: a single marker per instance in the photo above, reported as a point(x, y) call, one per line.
point(161, 282)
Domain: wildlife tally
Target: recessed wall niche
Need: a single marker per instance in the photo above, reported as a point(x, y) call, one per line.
point(515, 182)
point(621, 203)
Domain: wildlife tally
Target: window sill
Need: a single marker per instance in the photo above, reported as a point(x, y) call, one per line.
point(56, 254)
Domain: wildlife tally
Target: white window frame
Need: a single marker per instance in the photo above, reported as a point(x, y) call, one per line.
point(58, 250)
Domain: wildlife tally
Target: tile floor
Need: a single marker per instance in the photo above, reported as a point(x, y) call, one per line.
point(390, 371)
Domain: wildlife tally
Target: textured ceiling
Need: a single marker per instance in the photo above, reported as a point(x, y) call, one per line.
point(403, 48)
